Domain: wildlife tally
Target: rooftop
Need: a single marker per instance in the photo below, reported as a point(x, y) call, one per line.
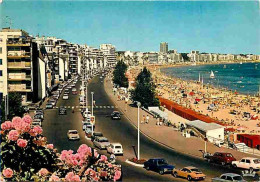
point(204, 126)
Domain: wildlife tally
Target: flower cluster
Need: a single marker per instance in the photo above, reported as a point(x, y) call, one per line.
point(84, 165)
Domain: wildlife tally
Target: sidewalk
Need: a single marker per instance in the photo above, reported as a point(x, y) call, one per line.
point(167, 136)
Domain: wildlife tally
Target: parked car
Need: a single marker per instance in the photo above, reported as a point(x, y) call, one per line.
point(86, 114)
point(66, 91)
point(115, 115)
point(190, 173)
point(96, 134)
point(74, 91)
point(73, 135)
point(38, 116)
point(36, 123)
point(227, 177)
point(242, 147)
point(53, 102)
point(115, 148)
point(38, 111)
point(65, 97)
point(158, 165)
point(49, 106)
point(221, 158)
point(247, 163)
point(87, 125)
point(62, 111)
point(101, 142)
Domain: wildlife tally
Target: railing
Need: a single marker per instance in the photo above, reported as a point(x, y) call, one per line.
point(16, 87)
point(18, 43)
point(19, 64)
point(18, 76)
point(18, 54)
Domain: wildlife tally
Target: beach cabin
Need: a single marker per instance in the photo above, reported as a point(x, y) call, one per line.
point(212, 131)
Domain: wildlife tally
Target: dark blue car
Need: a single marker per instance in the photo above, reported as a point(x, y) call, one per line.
point(158, 165)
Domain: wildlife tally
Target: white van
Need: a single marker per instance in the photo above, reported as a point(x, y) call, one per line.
point(115, 148)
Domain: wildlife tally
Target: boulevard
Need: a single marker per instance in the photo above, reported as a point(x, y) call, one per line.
point(55, 128)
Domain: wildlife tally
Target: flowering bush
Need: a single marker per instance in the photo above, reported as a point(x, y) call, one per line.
point(26, 156)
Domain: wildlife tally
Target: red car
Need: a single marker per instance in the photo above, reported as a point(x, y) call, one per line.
point(221, 158)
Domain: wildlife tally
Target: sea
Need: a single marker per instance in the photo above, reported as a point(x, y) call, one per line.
point(243, 78)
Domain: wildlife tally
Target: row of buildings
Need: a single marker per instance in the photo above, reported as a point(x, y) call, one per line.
point(173, 57)
point(34, 66)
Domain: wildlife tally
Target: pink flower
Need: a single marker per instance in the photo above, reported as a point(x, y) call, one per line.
point(96, 154)
point(54, 178)
point(7, 125)
point(110, 165)
point(43, 172)
point(16, 121)
point(90, 172)
point(69, 176)
point(25, 127)
point(8, 173)
point(96, 179)
point(27, 119)
point(32, 133)
point(76, 178)
point(37, 129)
point(117, 175)
point(103, 158)
point(13, 135)
point(49, 146)
point(22, 143)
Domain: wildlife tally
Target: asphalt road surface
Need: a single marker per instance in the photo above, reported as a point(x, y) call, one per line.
point(55, 128)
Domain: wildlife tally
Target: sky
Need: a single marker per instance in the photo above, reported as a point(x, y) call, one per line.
point(207, 26)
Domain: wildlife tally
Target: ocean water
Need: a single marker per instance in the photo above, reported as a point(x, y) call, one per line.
point(243, 78)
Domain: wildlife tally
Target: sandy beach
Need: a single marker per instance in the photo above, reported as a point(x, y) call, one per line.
point(237, 111)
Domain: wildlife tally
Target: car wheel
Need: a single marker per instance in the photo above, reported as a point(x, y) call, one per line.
point(147, 168)
point(175, 174)
point(189, 178)
point(234, 165)
point(161, 172)
point(223, 163)
point(251, 170)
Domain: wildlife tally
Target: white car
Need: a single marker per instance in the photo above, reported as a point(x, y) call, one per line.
point(115, 148)
point(101, 142)
point(36, 123)
point(73, 135)
point(86, 114)
point(227, 177)
point(247, 163)
point(65, 97)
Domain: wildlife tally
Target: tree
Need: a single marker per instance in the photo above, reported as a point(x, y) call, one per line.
point(144, 91)
point(119, 74)
point(15, 106)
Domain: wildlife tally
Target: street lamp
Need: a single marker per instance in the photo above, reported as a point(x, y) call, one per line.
point(138, 134)
point(92, 94)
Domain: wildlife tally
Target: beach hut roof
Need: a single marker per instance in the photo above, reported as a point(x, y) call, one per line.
point(203, 125)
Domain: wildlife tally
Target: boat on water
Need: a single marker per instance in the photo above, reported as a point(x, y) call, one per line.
point(212, 74)
point(225, 66)
point(240, 62)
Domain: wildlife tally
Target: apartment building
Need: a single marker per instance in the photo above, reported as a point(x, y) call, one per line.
point(164, 47)
point(18, 55)
point(109, 54)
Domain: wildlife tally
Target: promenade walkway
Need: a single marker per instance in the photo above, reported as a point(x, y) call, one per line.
point(165, 135)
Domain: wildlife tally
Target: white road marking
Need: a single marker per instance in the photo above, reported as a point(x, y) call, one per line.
point(105, 106)
point(108, 106)
point(68, 106)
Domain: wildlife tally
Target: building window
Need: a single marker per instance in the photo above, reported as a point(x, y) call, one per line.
point(1, 61)
point(1, 73)
point(0, 50)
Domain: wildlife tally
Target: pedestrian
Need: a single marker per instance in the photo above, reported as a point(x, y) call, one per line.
point(158, 121)
point(143, 120)
point(147, 119)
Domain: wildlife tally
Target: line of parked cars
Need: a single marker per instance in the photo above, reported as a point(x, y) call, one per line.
point(38, 117)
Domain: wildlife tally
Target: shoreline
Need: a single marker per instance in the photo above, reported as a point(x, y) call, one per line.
point(223, 100)
point(155, 69)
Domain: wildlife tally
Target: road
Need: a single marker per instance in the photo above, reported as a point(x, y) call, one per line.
point(55, 127)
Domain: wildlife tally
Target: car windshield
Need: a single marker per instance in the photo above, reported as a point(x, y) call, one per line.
point(162, 162)
point(118, 147)
point(257, 161)
point(195, 170)
point(238, 178)
point(73, 132)
point(103, 140)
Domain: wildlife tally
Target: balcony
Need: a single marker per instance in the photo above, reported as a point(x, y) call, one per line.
point(19, 88)
point(18, 54)
point(19, 77)
point(18, 43)
point(19, 65)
